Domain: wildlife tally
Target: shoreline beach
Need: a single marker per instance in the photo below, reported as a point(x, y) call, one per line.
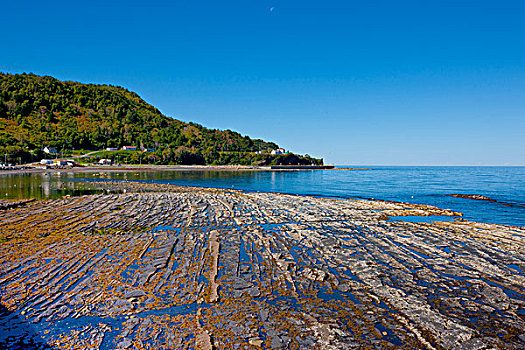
point(124, 168)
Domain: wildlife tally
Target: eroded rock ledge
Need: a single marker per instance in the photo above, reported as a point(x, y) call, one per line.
point(472, 196)
point(161, 266)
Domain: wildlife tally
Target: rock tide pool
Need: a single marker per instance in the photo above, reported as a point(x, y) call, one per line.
point(153, 266)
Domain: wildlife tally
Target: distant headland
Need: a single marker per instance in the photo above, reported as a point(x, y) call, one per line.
point(42, 117)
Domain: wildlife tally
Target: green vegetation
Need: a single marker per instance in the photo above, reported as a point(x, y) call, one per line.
point(41, 111)
point(183, 155)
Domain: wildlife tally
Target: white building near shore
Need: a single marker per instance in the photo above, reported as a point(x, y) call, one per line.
point(50, 150)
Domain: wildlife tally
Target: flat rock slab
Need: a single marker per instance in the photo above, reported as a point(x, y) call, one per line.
point(160, 266)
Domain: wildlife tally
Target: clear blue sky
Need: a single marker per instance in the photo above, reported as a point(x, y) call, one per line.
point(355, 82)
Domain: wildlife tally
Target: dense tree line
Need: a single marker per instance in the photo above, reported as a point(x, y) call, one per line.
point(186, 156)
point(39, 111)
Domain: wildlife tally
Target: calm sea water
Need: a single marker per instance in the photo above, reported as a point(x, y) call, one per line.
point(422, 185)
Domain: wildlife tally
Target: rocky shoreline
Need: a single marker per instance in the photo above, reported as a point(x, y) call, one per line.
point(127, 168)
point(156, 266)
point(472, 196)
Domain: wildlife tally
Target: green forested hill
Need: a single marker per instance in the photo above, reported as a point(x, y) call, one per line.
point(39, 111)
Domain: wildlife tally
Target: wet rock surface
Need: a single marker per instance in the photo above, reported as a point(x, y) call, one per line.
point(151, 266)
point(472, 196)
